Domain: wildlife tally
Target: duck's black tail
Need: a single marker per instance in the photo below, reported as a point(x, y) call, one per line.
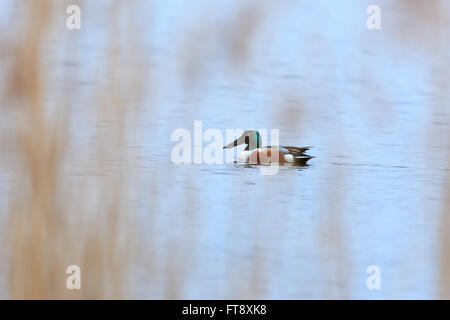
point(300, 157)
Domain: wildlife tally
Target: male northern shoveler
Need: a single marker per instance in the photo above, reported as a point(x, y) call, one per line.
point(255, 154)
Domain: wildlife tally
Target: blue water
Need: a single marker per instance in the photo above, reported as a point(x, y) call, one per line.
point(372, 103)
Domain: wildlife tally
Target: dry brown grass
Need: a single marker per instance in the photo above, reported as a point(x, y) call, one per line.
point(49, 228)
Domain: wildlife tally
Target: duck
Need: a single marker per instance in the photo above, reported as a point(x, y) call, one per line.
point(255, 154)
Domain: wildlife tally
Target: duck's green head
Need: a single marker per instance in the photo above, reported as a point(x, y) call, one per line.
point(251, 138)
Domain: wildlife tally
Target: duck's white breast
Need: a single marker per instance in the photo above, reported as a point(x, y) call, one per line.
point(243, 155)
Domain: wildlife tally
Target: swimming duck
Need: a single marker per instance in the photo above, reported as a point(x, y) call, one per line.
point(255, 154)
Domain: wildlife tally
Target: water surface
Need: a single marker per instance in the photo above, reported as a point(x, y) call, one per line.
point(373, 103)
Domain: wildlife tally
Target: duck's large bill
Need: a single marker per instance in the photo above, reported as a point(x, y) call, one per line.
point(241, 140)
point(231, 145)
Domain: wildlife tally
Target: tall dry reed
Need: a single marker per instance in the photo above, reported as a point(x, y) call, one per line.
point(53, 223)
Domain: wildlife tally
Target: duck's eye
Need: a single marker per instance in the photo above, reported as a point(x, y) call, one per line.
point(246, 139)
